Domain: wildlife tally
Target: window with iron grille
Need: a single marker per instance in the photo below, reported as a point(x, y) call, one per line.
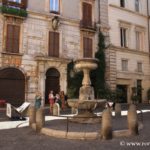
point(53, 44)
point(12, 38)
point(87, 47)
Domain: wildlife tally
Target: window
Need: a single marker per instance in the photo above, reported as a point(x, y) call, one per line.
point(12, 38)
point(123, 37)
point(87, 47)
point(54, 6)
point(139, 67)
point(139, 40)
point(124, 65)
point(137, 5)
point(53, 44)
point(122, 3)
point(16, 1)
point(87, 14)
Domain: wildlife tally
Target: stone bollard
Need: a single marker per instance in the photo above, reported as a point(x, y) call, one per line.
point(74, 110)
point(40, 119)
point(32, 114)
point(56, 109)
point(132, 120)
point(106, 129)
point(117, 109)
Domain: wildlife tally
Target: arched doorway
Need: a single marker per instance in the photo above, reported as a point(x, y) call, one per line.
point(12, 86)
point(52, 82)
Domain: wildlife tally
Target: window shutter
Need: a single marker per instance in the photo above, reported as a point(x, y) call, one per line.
point(24, 4)
point(9, 38)
point(51, 43)
point(54, 44)
point(87, 47)
point(4, 2)
point(16, 39)
point(12, 39)
point(87, 14)
point(90, 49)
point(56, 49)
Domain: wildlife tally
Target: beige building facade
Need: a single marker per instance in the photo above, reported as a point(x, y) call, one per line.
point(129, 46)
point(36, 48)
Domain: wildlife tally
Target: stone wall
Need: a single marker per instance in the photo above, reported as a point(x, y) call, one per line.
point(132, 20)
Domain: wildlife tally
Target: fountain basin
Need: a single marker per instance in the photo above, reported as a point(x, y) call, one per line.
point(86, 63)
point(86, 104)
point(86, 108)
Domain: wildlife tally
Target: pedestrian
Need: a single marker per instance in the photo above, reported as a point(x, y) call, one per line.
point(51, 101)
point(38, 99)
point(66, 98)
point(62, 98)
point(57, 100)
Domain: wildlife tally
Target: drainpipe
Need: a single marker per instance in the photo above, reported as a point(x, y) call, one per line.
point(148, 27)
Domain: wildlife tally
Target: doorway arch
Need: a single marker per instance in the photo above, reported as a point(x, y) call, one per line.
point(12, 86)
point(52, 82)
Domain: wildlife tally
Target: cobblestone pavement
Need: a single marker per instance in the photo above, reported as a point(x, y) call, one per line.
point(26, 139)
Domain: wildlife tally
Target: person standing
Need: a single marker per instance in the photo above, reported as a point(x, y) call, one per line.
point(62, 98)
point(57, 100)
point(51, 101)
point(38, 99)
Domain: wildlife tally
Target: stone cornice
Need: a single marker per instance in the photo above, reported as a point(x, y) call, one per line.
point(128, 75)
point(128, 10)
point(53, 59)
point(132, 51)
point(49, 16)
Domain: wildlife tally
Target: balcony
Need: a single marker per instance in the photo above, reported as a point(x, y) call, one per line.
point(9, 3)
point(88, 26)
point(14, 8)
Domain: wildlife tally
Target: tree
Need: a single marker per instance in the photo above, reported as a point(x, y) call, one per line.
point(74, 80)
point(98, 75)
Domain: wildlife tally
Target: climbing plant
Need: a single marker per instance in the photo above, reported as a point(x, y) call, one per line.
point(98, 75)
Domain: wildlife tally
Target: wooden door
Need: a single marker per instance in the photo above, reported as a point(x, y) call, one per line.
point(52, 82)
point(12, 86)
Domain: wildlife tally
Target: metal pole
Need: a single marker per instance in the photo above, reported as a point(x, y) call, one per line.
point(67, 124)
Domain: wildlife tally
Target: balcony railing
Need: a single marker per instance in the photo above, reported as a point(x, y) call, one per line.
point(14, 8)
point(21, 5)
point(88, 25)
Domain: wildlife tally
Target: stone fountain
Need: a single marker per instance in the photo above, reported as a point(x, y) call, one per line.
point(86, 103)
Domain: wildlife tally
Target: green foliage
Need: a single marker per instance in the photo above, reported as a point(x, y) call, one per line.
point(98, 75)
point(148, 94)
point(136, 97)
point(74, 80)
point(13, 11)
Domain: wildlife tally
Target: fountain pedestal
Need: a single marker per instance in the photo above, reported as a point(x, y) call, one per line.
point(86, 103)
